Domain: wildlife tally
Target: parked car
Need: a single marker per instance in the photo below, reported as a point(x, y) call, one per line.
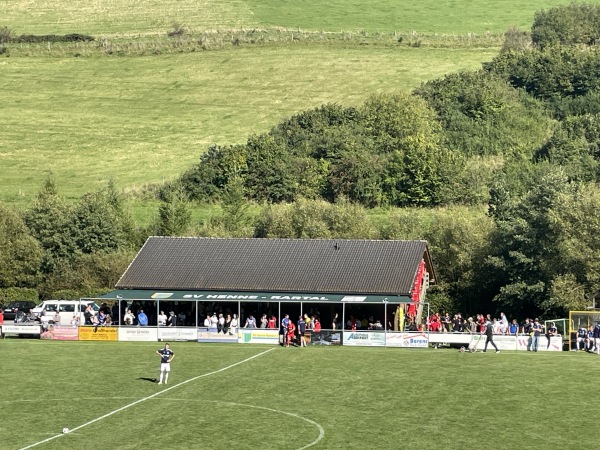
point(23, 306)
point(45, 311)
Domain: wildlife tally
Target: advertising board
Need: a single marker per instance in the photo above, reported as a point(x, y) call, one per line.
point(97, 333)
point(258, 336)
point(364, 338)
point(407, 340)
point(324, 337)
point(62, 333)
point(20, 329)
point(211, 335)
point(177, 334)
point(138, 334)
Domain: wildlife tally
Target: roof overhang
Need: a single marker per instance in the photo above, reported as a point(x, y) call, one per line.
point(258, 297)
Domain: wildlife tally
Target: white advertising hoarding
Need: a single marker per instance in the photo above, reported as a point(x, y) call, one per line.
point(177, 334)
point(20, 329)
point(258, 336)
point(364, 338)
point(407, 340)
point(135, 334)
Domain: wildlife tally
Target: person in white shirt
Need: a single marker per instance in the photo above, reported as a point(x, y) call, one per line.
point(162, 319)
point(207, 322)
point(221, 323)
point(234, 325)
point(129, 318)
point(214, 320)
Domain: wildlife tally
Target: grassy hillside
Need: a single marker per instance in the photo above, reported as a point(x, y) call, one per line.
point(145, 119)
point(155, 16)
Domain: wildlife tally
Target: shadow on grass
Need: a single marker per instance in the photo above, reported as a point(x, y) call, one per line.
point(151, 380)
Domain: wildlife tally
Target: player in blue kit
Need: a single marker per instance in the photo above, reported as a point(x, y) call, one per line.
point(166, 356)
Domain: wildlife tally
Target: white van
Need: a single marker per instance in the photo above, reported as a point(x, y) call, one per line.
point(46, 311)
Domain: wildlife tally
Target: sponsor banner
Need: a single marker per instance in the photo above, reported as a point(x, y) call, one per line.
point(407, 340)
point(211, 335)
point(364, 338)
point(258, 336)
point(97, 333)
point(177, 334)
point(20, 329)
point(137, 334)
point(502, 342)
point(323, 337)
point(556, 345)
point(60, 333)
point(451, 338)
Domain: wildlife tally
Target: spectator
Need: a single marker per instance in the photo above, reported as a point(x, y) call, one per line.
point(172, 320)
point(308, 321)
point(207, 321)
point(596, 336)
point(335, 323)
point(214, 320)
point(272, 322)
point(142, 318)
point(162, 319)
point(220, 324)
point(129, 318)
point(101, 317)
point(227, 324)
point(446, 323)
point(551, 331)
point(471, 325)
point(181, 318)
point(234, 325)
point(56, 318)
point(264, 321)
point(317, 326)
point(536, 329)
point(108, 320)
point(503, 324)
point(513, 328)
point(75, 320)
point(1, 317)
point(88, 314)
point(250, 322)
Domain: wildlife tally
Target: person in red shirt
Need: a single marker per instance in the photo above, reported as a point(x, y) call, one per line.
point(272, 322)
point(317, 326)
point(291, 330)
point(1, 316)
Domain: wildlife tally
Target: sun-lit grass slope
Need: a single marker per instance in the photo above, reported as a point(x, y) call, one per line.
point(359, 397)
point(146, 119)
point(430, 16)
point(156, 16)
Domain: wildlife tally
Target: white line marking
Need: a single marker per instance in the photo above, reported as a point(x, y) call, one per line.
point(147, 398)
point(278, 411)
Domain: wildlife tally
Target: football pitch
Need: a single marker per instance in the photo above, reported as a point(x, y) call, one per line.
point(258, 397)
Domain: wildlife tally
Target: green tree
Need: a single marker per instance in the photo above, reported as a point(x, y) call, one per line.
point(20, 253)
point(174, 215)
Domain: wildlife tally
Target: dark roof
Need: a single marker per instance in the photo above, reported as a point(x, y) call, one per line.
point(277, 265)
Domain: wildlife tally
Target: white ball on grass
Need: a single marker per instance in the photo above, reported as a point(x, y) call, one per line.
point(65, 430)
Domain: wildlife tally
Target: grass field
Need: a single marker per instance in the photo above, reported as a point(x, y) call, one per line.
point(322, 398)
point(110, 17)
point(146, 119)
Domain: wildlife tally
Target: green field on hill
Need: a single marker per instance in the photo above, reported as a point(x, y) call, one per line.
point(126, 17)
point(291, 398)
point(146, 119)
point(145, 113)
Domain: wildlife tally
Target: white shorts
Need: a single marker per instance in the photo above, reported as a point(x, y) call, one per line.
point(165, 367)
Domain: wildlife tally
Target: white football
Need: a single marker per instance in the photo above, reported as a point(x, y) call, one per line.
point(65, 430)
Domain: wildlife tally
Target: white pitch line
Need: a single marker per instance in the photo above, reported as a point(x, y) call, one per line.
point(146, 398)
point(278, 411)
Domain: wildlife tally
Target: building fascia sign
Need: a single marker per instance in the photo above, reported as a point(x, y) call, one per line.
point(262, 297)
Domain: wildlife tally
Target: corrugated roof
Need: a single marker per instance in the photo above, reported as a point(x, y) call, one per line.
point(277, 265)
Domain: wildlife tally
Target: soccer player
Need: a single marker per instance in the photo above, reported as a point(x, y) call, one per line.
point(291, 331)
point(166, 356)
point(301, 331)
point(582, 334)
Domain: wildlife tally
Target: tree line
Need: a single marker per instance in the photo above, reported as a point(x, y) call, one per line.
point(497, 169)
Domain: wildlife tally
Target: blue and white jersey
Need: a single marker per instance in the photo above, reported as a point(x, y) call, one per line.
point(582, 333)
point(165, 354)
